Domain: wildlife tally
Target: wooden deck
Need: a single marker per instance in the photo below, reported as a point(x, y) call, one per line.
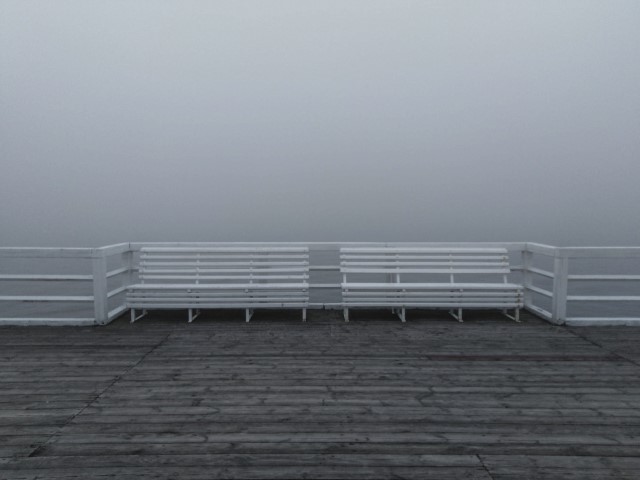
point(278, 399)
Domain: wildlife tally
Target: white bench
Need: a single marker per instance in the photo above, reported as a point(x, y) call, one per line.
point(438, 278)
point(220, 277)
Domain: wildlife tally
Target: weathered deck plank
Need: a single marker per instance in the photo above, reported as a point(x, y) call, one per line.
point(275, 399)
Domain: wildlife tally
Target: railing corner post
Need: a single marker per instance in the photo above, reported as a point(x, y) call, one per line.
point(130, 266)
point(527, 280)
point(560, 287)
point(100, 288)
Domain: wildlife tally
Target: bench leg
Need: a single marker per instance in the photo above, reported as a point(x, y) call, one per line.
point(457, 316)
point(193, 317)
point(247, 315)
point(402, 314)
point(134, 317)
point(516, 315)
point(346, 314)
point(304, 314)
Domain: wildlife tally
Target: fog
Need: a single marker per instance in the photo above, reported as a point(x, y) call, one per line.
point(319, 121)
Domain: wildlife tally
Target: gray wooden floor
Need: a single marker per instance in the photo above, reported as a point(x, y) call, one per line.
point(276, 399)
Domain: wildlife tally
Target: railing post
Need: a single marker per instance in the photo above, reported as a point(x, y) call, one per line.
point(527, 262)
point(100, 290)
point(560, 287)
point(130, 266)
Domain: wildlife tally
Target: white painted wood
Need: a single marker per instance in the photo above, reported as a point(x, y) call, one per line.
point(600, 252)
point(37, 252)
point(359, 265)
point(100, 294)
point(109, 250)
point(117, 271)
point(116, 312)
point(73, 322)
point(602, 321)
point(117, 291)
point(451, 286)
point(130, 262)
point(603, 298)
point(560, 289)
point(539, 290)
point(539, 311)
point(541, 249)
point(335, 246)
point(541, 272)
point(527, 277)
point(46, 298)
point(224, 277)
point(46, 278)
point(429, 304)
point(192, 285)
point(403, 270)
point(420, 251)
point(605, 277)
point(185, 304)
point(127, 269)
point(233, 249)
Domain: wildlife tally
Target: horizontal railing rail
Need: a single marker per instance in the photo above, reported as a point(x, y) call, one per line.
point(26, 256)
point(602, 294)
point(547, 273)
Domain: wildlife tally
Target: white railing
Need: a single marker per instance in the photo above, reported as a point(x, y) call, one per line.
point(40, 286)
point(594, 271)
point(552, 290)
point(33, 276)
point(87, 286)
point(113, 271)
point(537, 267)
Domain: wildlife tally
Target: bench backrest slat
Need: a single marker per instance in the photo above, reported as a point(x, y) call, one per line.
point(224, 265)
point(449, 261)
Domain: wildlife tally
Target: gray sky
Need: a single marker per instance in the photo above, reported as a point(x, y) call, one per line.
point(319, 120)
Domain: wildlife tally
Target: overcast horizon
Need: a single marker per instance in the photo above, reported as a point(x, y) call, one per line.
point(319, 121)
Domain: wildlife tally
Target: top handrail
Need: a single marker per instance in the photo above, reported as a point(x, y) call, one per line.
point(599, 252)
point(538, 248)
point(46, 252)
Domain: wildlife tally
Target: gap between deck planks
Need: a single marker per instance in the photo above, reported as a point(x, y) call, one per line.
point(276, 399)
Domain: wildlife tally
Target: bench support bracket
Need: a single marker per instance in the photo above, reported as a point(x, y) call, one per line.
point(402, 314)
point(193, 317)
point(134, 317)
point(515, 317)
point(458, 315)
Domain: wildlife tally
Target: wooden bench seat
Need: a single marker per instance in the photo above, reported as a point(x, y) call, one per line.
point(221, 277)
point(439, 278)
